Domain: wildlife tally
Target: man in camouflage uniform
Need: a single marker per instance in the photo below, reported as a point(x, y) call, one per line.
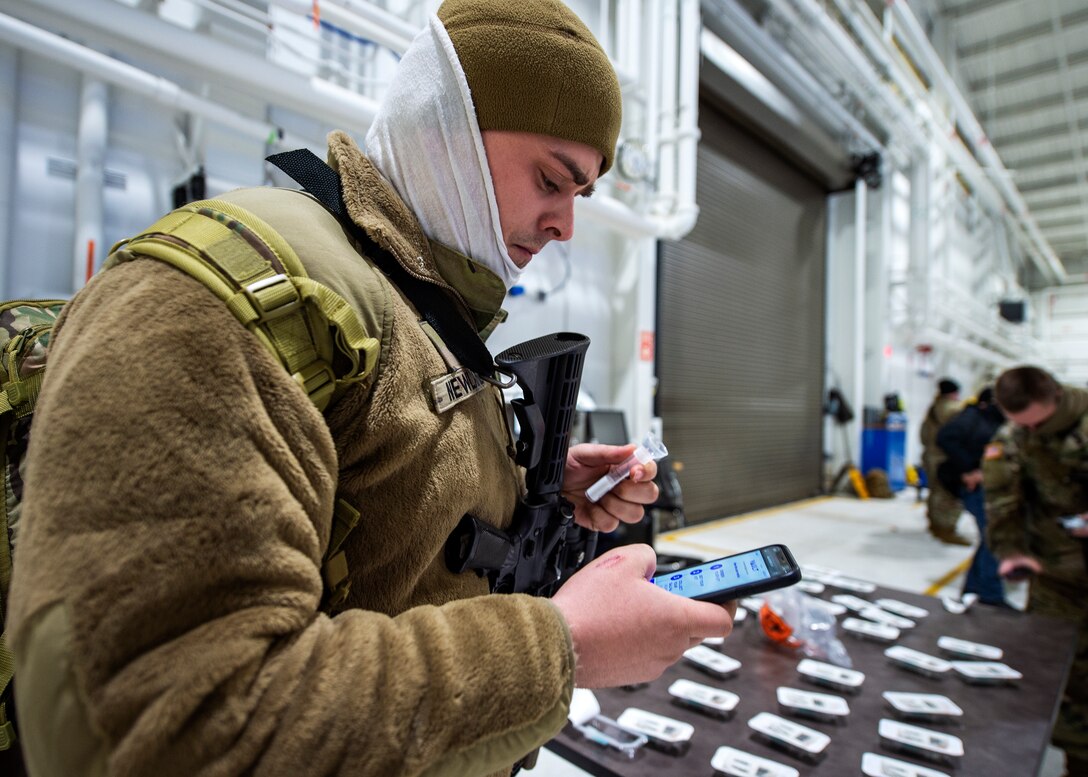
point(943, 509)
point(1035, 470)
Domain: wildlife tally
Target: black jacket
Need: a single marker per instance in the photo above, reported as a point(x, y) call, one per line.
point(963, 440)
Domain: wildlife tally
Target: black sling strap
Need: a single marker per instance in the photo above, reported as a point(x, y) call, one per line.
point(320, 180)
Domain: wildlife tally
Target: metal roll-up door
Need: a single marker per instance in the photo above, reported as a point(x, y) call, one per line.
point(741, 329)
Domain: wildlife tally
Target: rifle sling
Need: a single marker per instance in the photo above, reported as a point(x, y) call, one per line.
point(321, 181)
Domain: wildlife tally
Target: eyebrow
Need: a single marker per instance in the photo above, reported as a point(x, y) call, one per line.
point(580, 178)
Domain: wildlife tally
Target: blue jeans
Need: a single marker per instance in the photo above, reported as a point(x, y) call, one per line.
point(982, 577)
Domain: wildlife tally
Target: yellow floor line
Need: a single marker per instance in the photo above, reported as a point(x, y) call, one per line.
point(948, 577)
point(715, 550)
point(711, 525)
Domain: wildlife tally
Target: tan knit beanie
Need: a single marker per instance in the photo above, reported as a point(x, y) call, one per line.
point(533, 66)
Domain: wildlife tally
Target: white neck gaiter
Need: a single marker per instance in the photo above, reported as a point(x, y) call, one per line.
point(426, 141)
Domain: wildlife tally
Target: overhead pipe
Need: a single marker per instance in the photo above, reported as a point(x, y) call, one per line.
point(92, 140)
point(133, 79)
point(967, 348)
point(664, 114)
point(308, 96)
point(686, 212)
point(672, 129)
point(1003, 345)
point(757, 46)
point(924, 54)
point(860, 20)
point(363, 19)
point(852, 66)
point(318, 96)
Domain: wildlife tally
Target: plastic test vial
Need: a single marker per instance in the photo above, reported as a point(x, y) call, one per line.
point(651, 449)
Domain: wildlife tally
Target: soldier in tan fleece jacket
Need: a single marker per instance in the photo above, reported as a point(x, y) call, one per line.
point(180, 486)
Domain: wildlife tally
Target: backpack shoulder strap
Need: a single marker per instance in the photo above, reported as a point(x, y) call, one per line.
point(323, 183)
point(311, 329)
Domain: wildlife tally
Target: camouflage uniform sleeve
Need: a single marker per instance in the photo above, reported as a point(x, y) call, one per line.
point(946, 411)
point(1006, 530)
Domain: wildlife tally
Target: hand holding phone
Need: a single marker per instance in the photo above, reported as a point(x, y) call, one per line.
point(734, 577)
point(625, 630)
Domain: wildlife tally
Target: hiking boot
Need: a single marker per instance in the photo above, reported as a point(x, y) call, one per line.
point(951, 537)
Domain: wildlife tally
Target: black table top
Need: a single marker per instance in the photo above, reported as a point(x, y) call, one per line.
point(1005, 729)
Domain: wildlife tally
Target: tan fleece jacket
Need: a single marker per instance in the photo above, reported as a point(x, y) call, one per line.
point(178, 502)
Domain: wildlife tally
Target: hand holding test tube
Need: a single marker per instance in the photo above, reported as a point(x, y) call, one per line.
point(651, 449)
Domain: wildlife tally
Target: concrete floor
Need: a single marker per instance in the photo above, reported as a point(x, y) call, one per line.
point(884, 541)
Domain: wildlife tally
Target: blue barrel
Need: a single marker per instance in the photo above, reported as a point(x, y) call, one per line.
point(885, 447)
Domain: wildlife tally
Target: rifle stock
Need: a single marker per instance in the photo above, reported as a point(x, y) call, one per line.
point(544, 546)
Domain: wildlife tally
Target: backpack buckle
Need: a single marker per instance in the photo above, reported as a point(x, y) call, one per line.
point(272, 297)
point(318, 381)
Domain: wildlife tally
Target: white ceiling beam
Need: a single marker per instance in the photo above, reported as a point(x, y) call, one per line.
point(995, 105)
point(1029, 131)
point(1048, 124)
point(1058, 216)
point(977, 44)
point(974, 8)
point(1028, 177)
point(1067, 231)
point(1026, 84)
point(1043, 198)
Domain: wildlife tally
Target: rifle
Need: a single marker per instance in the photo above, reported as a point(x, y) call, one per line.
point(544, 545)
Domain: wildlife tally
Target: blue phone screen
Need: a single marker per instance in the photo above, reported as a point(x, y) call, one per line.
point(717, 575)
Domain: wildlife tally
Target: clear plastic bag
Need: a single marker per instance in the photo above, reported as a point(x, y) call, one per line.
point(812, 628)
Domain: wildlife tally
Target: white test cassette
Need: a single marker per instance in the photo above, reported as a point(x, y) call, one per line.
point(736, 763)
point(874, 765)
point(808, 704)
point(712, 662)
point(874, 613)
point(831, 676)
point(802, 742)
point(832, 608)
point(921, 742)
point(851, 602)
point(917, 661)
point(901, 608)
point(958, 606)
point(929, 707)
point(851, 584)
point(704, 698)
point(986, 673)
point(867, 629)
point(662, 733)
point(961, 647)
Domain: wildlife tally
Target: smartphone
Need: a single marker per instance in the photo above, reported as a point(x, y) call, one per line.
point(734, 577)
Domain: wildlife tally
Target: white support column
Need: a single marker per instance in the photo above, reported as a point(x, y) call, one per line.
point(858, 391)
point(845, 324)
point(9, 75)
point(919, 245)
point(90, 178)
point(646, 339)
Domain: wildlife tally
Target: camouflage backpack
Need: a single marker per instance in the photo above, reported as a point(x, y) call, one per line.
point(312, 331)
